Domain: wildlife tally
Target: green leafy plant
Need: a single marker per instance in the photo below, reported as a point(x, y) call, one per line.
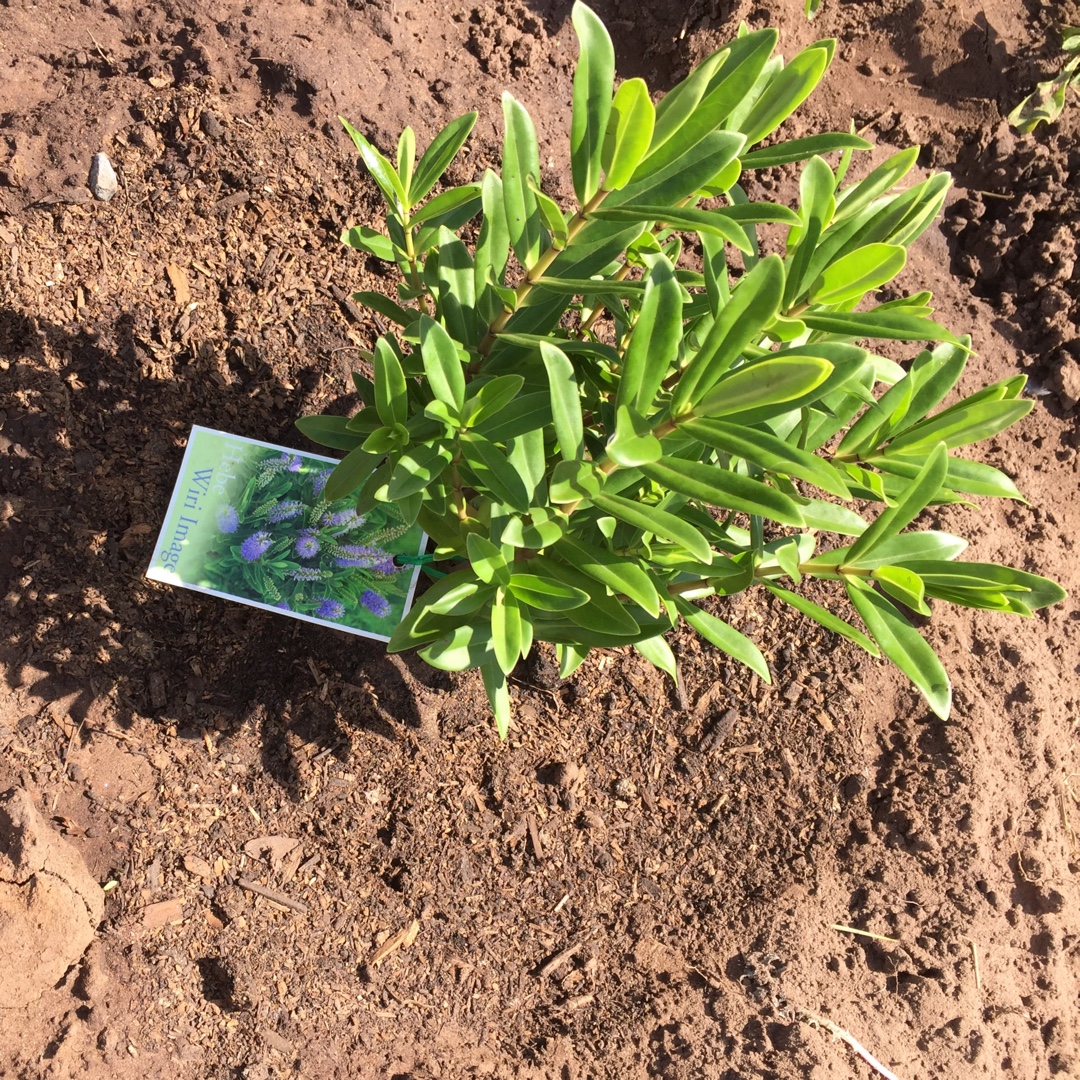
point(601, 426)
point(1045, 105)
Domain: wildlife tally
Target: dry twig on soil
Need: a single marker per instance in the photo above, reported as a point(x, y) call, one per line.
point(845, 1036)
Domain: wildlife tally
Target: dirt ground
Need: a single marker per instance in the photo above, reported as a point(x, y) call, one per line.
point(638, 882)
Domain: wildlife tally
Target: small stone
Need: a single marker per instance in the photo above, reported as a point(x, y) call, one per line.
point(211, 126)
point(102, 181)
point(199, 867)
point(625, 788)
point(1067, 380)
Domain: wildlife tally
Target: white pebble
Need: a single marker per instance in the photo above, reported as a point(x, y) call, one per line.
point(102, 178)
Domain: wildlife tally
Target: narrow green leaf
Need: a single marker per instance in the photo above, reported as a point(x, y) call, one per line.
point(857, 273)
point(445, 202)
point(546, 594)
point(652, 519)
point(521, 160)
point(422, 623)
point(766, 382)
point(754, 303)
point(416, 469)
point(722, 488)
point(565, 401)
point(824, 618)
point(621, 575)
point(382, 172)
point(816, 186)
point(391, 398)
point(540, 528)
point(852, 200)
point(658, 652)
point(435, 159)
point(493, 471)
point(903, 585)
point(903, 645)
point(654, 343)
point(784, 153)
point(690, 113)
point(602, 614)
point(506, 629)
point(628, 134)
point(633, 442)
point(915, 499)
point(1040, 592)
point(596, 287)
point(683, 176)
point(725, 637)
point(960, 426)
point(487, 560)
point(329, 431)
point(715, 222)
point(441, 363)
point(594, 80)
point(570, 658)
point(491, 398)
point(406, 159)
point(370, 242)
point(769, 451)
point(552, 215)
point(524, 413)
point(572, 481)
point(385, 307)
point(349, 474)
point(465, 598)
point(929, 544)
point(681, 102)
point(888, 324)
point(970, 477)
point(493, 244)
point(785, 93)
point(830, 517)
point(498, 695)
point(525, 453)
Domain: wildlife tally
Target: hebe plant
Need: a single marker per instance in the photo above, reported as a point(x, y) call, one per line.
point(599, 433)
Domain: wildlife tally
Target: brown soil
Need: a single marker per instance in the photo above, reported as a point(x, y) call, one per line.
point(638, 882)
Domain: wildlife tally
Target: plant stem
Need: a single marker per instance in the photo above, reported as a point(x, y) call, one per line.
point(536, 271)
point(410, 254)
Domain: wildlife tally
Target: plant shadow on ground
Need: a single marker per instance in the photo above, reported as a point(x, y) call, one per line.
point(90, 448)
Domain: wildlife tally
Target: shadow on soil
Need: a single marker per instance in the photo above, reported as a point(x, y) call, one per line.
point(89, 449)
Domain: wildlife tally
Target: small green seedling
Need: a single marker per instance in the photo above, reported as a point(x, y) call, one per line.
point(1046, 104)
point(609, 414)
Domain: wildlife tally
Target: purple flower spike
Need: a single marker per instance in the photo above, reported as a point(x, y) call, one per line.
point(283, 605)
point(285, 510)
point(290, 462)
point(255, 546)
point(343, 517)
point(378, 605)
point(227, 519)
point(307, 547)
point(330, 609)
point(318, 485)
point(307, 573)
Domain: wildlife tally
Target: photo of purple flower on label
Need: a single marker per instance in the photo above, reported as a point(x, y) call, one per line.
point(251, 522)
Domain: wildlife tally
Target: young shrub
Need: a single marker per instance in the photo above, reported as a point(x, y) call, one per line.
point(598, 438)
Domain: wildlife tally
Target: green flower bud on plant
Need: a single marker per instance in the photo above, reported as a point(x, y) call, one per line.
point(599, 435)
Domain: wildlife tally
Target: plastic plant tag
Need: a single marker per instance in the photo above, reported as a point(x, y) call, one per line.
point(248, 521)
